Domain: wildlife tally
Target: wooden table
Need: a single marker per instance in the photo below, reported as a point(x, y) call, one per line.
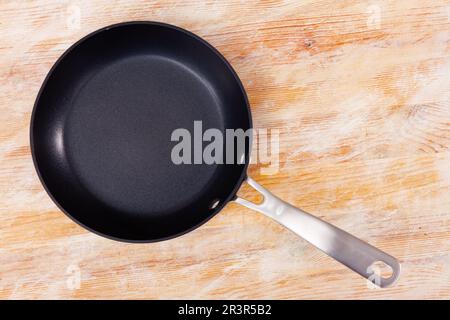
point(360, 93)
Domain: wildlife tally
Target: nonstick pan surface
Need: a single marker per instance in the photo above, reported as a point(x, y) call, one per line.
point(102, 124)
point(101, 134)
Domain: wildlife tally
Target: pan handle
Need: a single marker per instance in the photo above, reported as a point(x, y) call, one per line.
point(338, 244)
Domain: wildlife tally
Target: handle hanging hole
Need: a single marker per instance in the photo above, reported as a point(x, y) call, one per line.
point(381, 269)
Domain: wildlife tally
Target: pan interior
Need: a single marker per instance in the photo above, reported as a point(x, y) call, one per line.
point(102, 125)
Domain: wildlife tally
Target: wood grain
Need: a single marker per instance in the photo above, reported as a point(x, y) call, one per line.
point(360, 91)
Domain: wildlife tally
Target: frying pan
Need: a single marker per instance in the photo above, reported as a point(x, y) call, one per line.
point(100, 140)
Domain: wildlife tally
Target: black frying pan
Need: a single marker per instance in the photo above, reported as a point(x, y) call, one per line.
point(100, 139)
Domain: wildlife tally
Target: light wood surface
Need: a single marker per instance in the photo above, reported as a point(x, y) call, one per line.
point(360, 92)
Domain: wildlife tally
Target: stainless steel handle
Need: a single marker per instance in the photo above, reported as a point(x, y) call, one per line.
point(338, 244)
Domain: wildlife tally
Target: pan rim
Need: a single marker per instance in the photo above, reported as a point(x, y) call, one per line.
point(227, 64)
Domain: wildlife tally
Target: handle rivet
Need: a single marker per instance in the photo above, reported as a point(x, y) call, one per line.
point(214, 204)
